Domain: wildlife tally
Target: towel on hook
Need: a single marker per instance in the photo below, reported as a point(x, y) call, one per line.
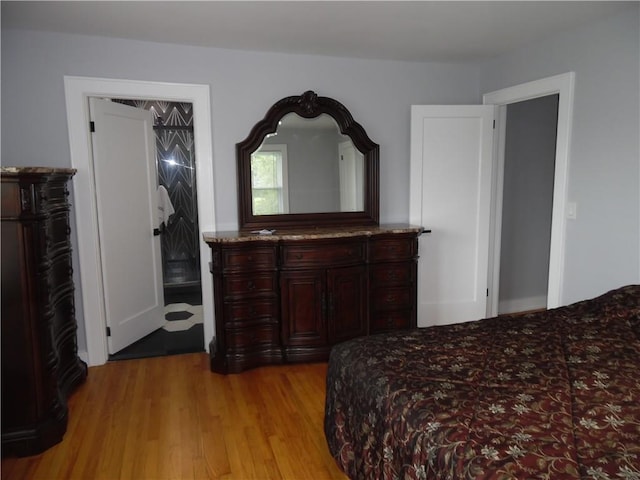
point(165, 208)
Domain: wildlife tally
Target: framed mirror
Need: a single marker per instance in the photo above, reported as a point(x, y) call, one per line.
point(307, 163)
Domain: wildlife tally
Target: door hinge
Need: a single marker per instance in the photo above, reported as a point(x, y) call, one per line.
point(92, 127)
point(494, 124)
point(487, 292)
point(108, 331)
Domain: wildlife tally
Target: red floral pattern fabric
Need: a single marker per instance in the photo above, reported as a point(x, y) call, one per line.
point(552, 395)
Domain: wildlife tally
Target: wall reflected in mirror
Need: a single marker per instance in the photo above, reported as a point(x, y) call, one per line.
point(307, 166)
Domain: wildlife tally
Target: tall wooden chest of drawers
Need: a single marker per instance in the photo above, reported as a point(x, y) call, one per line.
point(40, 365)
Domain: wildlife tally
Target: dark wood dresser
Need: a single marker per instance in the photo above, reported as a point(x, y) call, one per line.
point(291, 296)
point(40, 364)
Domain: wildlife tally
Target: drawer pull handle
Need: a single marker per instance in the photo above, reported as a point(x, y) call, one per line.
point(392, 275)
point(390, 299)
point(323, 305)
point(251, 285)
point(298, 256)
point(389, 321)
point(25, 199)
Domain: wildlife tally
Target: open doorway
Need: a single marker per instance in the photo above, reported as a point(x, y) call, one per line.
point(527, 206)
point(560, 87)
point(182, 330)
point(459, 280)
point(90, 297)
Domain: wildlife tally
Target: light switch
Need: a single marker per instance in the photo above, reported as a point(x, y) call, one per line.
point(572, 210)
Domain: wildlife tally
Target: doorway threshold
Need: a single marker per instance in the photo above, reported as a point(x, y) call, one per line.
point(183, 332)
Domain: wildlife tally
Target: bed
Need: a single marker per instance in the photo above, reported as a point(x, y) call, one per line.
point(554, 394)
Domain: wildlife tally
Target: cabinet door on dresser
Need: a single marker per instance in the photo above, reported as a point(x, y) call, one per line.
point(247, 307)
point(323, 286)
point(304, 306)
point(347, 303)
point(393, 271)
point(323, 307)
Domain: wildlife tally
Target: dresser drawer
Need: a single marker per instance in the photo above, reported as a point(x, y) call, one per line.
point(323, 255)
point(392, 249)
point(243, 338)
point(392, 298)
point(392, 320)
point(238, 314)
point(391, 274)
point(12, 203)
point(244, 259)
point(247, 285)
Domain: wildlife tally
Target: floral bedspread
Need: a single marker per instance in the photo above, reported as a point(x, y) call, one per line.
point(552, 395)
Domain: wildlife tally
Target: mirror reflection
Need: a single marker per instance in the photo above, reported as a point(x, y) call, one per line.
point(307, 166)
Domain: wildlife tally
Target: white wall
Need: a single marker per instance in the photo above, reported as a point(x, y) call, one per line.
point(243, 86)
point(603, 243)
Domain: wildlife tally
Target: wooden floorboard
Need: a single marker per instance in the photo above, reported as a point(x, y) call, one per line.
point(172, 418)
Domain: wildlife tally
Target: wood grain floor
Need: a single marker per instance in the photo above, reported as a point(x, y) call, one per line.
point(172, 418)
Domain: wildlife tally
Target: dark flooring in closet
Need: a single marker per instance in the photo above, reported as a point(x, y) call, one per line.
point(183, 331)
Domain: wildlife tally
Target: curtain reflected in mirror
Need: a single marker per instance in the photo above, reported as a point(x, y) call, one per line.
point(307, 166)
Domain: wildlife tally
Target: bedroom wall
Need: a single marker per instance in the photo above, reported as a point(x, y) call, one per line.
point(603, 242)
point(243, 86)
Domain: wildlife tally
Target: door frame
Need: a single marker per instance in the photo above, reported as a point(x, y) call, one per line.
point(563, 85)
point(77, 92)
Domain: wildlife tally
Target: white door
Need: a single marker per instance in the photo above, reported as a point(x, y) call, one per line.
point(450, 194)
point(130, 258)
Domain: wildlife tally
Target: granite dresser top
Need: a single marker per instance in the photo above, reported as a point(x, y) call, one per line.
point(36, 170)
point(309, 233)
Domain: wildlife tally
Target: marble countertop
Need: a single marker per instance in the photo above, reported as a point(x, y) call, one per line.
point(310, 233)
point(40, 170)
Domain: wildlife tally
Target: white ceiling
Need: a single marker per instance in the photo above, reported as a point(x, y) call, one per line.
point(453, 31)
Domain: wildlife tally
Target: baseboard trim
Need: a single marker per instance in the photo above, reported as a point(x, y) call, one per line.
point(84, 356)
point(516, 305)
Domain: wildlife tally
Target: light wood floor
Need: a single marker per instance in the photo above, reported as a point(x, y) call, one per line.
point(172, 418)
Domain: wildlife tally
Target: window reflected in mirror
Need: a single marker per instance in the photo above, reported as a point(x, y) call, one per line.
point(307, 166)
point(269, 180)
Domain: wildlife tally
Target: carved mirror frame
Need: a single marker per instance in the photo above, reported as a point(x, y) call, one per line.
point(309, 105)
